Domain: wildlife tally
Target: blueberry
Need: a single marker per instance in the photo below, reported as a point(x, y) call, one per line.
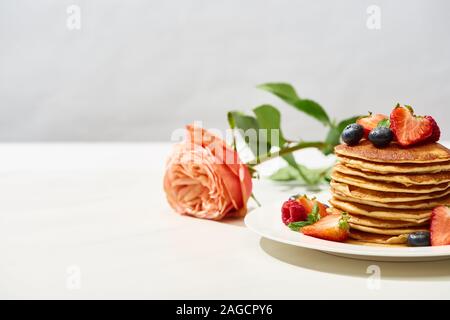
point(419, 239)
point(352, 134)
point(381, 137)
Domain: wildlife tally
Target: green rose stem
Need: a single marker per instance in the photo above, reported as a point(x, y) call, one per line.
point(286, 151)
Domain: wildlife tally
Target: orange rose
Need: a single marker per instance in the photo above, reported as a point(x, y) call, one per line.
point(205, 178)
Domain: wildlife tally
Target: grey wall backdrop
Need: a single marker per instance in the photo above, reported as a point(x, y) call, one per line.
point(138, 69)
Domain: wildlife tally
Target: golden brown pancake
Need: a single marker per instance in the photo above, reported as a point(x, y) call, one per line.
point(411, 215)
point(423, 204)
point(384, 197)
point(390, 231)
point(373, 244)
point(365, 237)
point(405, 179)
point(365, 150)
point(382, 168)
point(388, 224)
point(386, 186)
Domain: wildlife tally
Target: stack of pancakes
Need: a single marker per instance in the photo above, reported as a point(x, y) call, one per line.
point(389, 192)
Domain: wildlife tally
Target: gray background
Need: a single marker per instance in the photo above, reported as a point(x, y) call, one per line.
point(137, 70)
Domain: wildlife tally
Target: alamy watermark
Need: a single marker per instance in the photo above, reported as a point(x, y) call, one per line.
point(73, 21)
point(374, 17)
point(374, 280)
point(73, 277)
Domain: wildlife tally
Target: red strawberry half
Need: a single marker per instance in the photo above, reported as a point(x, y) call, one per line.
point(440, 226)
point(308, 204)
point(436, 135)
point(332, 227)
point(408, 128)
point(370, 122)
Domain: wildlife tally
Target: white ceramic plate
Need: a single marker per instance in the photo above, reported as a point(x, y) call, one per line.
point(266, 221)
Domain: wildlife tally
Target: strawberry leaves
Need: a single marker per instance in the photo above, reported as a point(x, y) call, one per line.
point(384, 123)
point(343, 222)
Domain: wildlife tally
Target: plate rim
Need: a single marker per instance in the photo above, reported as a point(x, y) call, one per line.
point(348, 248)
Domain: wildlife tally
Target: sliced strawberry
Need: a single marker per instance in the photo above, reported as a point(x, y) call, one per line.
point(370, 122)
point(308, 204)
point(331, 227)
point(436, 135)
point(408, 128)
point(292, 211)
point(440, 226)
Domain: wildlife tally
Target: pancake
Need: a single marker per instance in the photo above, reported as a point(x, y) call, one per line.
point(388, 224)
point(405, 179)
point(383, 197)
point(373, 244)
point(386, 186)
point(391, 232)
point(395, 168)
point(411, 215)
point(365, 150)
point(365, 237)
point(378, 223)
point(423, 204)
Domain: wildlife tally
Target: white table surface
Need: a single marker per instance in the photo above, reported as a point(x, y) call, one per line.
point(100, 208)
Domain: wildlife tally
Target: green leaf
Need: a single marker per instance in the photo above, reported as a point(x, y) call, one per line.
point(313, 109)
point(384, 123)
point(333, 138)
point(269, 118)
point(327, 175)
point(344, 123)
point(314, 216)
point(288, 94)
point(334, 134)
point(296, 226)
point(283, 90)
point(301, 172)
point(247, 125)
point(289, 173)
point(242, 121)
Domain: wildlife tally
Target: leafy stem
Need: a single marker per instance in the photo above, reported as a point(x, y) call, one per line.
point(262, 130)
point(287, 150)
